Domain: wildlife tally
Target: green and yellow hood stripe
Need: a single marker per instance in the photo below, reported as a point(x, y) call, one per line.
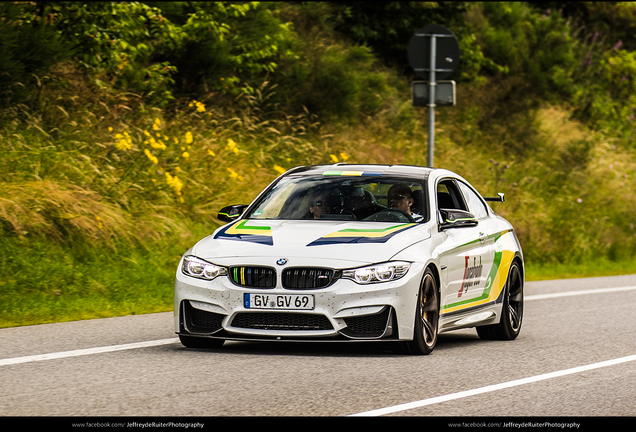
point(241, 231)
point(381, 235)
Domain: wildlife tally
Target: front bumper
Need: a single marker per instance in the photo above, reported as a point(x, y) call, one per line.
point(344, 310)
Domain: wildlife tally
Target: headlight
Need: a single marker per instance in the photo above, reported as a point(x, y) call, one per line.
point(198, 268)
point(384, 272)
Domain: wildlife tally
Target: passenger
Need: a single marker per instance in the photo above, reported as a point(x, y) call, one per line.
point(320, 205)
point(401, 198)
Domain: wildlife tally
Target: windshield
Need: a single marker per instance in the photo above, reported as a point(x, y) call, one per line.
point(366, 198)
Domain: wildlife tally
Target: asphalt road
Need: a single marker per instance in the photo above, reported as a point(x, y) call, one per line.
point(575, 356)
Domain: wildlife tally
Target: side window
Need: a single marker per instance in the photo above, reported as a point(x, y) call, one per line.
point(448, 196)
point(475, 205)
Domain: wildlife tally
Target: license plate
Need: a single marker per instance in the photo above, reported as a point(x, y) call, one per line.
point(278, 301)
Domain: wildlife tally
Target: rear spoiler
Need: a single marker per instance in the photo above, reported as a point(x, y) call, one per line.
point(499, 198)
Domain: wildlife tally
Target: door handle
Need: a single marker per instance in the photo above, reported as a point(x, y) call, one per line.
point(483, 237)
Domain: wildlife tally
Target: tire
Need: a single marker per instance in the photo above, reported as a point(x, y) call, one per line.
point(426, 317)
point(200, 342)
point(511, 312)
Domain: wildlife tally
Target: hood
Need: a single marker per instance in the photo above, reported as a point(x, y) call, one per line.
point(351, 242)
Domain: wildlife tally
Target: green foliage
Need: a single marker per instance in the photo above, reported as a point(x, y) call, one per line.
point(29, 47)
point(229, 47)
point(386, 27)
point(335, 81)
point(536, 48)
point(607, 99)
point(121, 45)
point(131, 47)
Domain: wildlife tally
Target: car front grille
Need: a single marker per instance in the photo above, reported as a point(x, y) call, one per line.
point(308, 277)
point(253, 277)
point(281, 321)
point(302, 278)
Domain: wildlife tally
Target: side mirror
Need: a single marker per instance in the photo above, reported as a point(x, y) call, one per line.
point(499, 198)
point(231, 213)
point(451, 218)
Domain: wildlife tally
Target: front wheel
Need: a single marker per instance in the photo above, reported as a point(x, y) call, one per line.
point(426, 317)
point(511, 312)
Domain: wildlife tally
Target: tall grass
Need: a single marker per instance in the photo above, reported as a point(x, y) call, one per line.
point(96, 211)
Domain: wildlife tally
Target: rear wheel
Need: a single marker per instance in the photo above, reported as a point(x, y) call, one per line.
point(426, 317)
point(199, 342)
point(512, 311)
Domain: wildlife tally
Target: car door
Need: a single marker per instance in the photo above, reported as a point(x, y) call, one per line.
point(468, 253)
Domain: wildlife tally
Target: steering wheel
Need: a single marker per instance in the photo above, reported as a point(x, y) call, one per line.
point(390, 215)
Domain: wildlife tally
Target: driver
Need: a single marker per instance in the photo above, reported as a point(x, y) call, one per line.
point(401, 198)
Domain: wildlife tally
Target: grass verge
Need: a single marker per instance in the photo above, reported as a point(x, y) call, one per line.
point(46, 281)
point(596, 268)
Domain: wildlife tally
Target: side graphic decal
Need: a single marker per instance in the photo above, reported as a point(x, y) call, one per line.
point(361, 235)
point(240, 231)
point(496, 280)
point(471, 275)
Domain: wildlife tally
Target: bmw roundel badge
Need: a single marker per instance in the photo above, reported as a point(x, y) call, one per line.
point(282, 261)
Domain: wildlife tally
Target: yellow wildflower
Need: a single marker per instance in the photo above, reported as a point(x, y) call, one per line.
point(146, 133)
point(110, 129)
point(188, 138)
point(159, 145)
point(174, 183)
point(279, 169)
point(211, 153)
point(231, 146)
point(124, 142)
point(157, 124)
point(185, 155)
point(233, 174)
point(334, 159)
point(344, 157)
point(100, 225)
point(199, 105)
point(152, 157)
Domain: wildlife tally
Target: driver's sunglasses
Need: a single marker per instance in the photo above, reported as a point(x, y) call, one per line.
point(319, 203)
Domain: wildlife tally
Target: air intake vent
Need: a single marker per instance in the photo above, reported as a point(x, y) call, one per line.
point(308, 277)
point(369, 326)
point(253, 277)
point(200, 321)
point(281, 321)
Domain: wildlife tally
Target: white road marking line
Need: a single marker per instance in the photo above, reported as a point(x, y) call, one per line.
point(582, 292)
point(491, 388)
point(81, 352)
